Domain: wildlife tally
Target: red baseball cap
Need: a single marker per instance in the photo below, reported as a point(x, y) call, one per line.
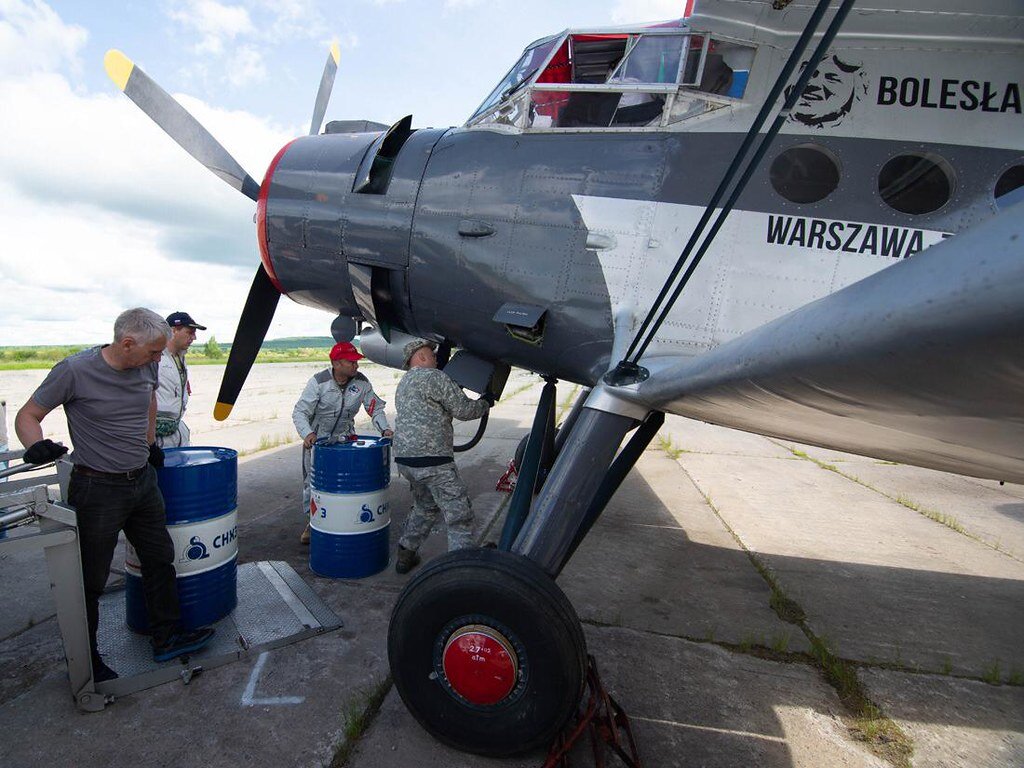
point(344, 350)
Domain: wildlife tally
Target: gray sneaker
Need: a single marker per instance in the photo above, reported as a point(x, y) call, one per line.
point(182, 643)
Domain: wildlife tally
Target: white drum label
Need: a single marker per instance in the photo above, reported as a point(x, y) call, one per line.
point(349, 512)
point(198, 547)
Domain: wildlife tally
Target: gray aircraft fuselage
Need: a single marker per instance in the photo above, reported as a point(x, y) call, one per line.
point(436, 275)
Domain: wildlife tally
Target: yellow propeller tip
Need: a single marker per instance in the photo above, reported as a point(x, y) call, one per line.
point(119, 67)
point(222, 410)
point(335, 53)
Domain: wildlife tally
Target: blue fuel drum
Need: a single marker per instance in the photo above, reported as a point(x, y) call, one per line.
point(349, 518)
point(200, 489)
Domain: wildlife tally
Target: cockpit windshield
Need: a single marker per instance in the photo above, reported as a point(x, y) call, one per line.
point(618, 79)
point(521, 72)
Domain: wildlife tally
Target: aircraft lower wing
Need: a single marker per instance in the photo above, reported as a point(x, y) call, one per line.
point(921, 363)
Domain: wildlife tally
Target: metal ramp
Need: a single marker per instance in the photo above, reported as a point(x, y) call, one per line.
point(275, 608)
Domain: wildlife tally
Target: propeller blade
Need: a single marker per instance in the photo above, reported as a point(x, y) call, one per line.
point(326, 85)
point(252, 328)
point(177, 122)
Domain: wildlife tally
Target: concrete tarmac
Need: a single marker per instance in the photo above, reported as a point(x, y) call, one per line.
point(723, 559)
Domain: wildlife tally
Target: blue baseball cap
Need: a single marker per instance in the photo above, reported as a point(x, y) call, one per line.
point(183, 320)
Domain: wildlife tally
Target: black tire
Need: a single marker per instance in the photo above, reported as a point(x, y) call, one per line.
point(512, 594)
point(517, 458)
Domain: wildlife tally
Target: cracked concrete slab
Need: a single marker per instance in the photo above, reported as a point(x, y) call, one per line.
point(879, 581)
point(667, 564)
point(692, 436)
point(954, 723)
point(990, 513)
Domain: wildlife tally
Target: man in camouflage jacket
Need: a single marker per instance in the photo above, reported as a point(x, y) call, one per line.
point(328, 407)
point(426, 401)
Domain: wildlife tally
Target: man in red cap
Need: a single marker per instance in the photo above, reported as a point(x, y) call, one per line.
point(328, 407)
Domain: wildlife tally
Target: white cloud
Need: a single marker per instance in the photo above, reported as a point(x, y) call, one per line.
point(215, 22)
point(246, 68)
point(34, 39)
point(101, 210)
point(291, 18)
point(459, 4)
point(630, 11)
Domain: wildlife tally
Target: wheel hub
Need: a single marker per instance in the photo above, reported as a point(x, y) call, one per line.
point(479, 664)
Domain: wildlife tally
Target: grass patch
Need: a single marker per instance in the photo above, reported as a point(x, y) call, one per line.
point(567, 401)
point(1015, 677)
point(674, 451)
point(868, 723)
point(518, 390)
point(357, 718)
point(785, 607)
point(939, 517)
point(992, 674)
point(267, 442)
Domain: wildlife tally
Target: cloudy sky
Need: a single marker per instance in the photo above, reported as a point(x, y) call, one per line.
point(101, 211)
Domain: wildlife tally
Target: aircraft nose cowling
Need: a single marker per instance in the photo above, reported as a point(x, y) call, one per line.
point(301, 218)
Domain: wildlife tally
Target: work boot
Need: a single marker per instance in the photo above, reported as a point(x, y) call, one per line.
point(100, 671)
point(181, 643)
point(407, 560)
point(304, 538)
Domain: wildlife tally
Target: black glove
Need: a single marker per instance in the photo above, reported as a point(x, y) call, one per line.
point(43, 452)
point(489, 397)
point(156, 455)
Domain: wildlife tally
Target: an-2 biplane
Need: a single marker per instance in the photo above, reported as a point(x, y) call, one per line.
point(575, 226)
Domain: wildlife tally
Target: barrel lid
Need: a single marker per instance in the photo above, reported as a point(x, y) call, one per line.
point(196, 455)
point(360, 443)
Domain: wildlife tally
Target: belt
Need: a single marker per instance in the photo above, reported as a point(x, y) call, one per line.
point(131, 474)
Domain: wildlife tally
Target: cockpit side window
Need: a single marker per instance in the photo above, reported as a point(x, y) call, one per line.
point(652, 59)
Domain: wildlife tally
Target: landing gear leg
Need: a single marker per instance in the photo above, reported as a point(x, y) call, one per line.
point(485, 650)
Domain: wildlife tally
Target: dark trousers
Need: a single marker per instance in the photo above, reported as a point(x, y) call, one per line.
point(107, 505)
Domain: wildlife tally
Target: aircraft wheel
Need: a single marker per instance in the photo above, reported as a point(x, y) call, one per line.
point(521, 450)
point(487, 652)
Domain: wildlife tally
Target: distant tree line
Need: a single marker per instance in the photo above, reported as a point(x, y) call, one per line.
point(295, 349)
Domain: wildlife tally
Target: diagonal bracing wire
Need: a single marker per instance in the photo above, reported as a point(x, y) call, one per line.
point(654, 319)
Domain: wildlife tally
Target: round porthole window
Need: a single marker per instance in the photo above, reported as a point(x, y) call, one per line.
point(916, 184)
point(805, 174)
point(1010, 187)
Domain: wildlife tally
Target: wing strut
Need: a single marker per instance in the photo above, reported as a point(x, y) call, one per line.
point(628, 370)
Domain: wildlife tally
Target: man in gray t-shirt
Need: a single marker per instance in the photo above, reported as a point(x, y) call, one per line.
point(109, 397)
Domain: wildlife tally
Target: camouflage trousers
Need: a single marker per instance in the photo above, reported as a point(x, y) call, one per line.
point(436, 490)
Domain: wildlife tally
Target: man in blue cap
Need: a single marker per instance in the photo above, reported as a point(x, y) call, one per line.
point(172, 395)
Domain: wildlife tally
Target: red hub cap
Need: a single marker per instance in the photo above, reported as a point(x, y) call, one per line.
point(480, 664)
